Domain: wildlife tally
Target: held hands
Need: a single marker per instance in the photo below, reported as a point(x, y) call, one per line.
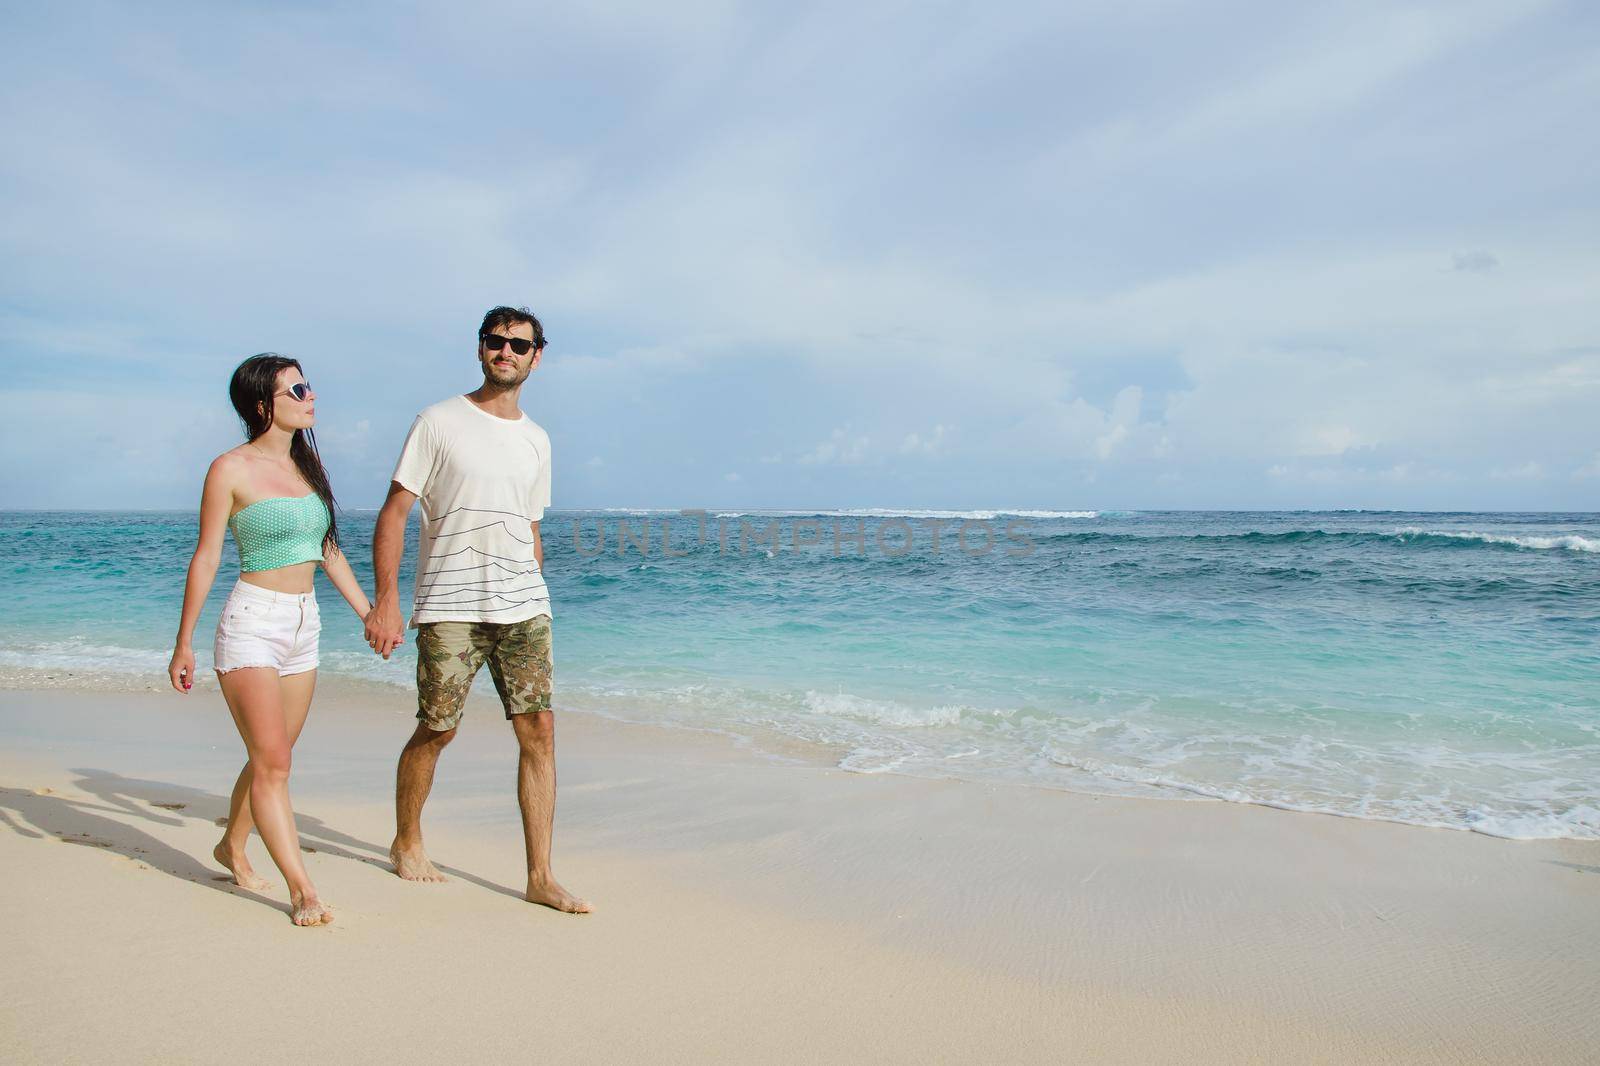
point(384, 627)
point(180, 671)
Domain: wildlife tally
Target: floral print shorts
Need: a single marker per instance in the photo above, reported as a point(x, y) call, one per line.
point(449, 655)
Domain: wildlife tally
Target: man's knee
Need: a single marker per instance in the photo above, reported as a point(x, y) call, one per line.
point(536, 731)
point(432, 740)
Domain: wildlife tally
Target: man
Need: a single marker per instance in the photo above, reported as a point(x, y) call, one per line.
point(482, 471)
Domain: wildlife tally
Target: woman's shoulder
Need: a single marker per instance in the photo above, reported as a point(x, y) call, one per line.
point(224, 477)
point(228, 469)
point(233, 458)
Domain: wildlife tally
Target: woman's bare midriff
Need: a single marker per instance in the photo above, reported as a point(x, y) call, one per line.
point(296, 578)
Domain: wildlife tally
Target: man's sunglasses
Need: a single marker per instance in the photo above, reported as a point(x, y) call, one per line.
point(300, 390)
point(494, 342)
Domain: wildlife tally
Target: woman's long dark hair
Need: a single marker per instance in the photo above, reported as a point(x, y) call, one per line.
point(252, 391)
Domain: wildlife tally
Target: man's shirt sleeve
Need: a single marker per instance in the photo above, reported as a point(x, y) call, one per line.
point(541, 488)
point(419, 457)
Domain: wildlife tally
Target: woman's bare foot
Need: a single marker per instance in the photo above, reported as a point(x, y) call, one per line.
point(238, 865)
point(308, 910)
point(545, 892)
point(413, 865)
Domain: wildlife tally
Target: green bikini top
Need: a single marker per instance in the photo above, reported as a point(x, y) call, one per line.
point(280, 531)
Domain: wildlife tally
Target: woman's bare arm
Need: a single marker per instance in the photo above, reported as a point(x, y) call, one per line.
point(337, 567)
point(216, 503)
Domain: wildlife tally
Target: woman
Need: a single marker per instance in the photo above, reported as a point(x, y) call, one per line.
point(274, 495)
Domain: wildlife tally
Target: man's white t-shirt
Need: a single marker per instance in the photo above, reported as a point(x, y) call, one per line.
point(483, 481)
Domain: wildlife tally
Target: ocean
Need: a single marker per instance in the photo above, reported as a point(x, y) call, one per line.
point(1438, 669)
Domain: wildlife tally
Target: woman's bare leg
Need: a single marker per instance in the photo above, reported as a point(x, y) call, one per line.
point(296, 690)
point(230, 850)
point(256, 701)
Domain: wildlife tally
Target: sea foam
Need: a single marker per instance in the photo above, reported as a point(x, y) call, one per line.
point(889, 512)
point(1566, 541)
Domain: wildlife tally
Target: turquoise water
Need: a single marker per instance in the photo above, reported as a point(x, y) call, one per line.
point(1439, 669)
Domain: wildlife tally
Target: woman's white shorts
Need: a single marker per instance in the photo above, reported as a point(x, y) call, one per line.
point(260, 627)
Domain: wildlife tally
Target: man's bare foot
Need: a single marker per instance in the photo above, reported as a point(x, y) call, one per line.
point(239, 866)
point(308, 910)
point(546, 892)
point(413, 865)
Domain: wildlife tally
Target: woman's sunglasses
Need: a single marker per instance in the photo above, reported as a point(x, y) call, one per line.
point(300, 390)
point(494, 342)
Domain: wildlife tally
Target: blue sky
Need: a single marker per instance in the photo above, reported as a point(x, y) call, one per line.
point(1114, 255)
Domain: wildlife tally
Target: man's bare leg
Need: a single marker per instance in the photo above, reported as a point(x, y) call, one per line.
point(413, 782)
point(536, 794)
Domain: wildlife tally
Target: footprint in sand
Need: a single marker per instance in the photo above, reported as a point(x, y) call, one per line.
point(308, 847)
point(86, 840)
point(44, 792)
point(170, 806)
point(221, 822)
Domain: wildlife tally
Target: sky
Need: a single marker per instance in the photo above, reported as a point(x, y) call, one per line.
point(915, 255)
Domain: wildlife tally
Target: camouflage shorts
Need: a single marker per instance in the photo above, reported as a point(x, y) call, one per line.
point(450, 653)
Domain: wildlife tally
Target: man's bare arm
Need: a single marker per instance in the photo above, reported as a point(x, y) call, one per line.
point(385, 623)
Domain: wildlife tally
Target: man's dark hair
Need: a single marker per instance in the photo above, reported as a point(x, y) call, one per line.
point(501, 317)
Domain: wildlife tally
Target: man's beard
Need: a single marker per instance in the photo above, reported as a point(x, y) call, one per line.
point(505, 380)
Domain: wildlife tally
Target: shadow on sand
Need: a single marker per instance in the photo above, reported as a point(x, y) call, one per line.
point(115, 819)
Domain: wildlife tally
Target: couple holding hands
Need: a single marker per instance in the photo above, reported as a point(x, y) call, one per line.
point(482, 471)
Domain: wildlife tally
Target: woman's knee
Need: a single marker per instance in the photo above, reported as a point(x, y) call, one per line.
point(271, 764)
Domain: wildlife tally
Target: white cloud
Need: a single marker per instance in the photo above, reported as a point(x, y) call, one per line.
point(1123, 416)
point(923, 444)
point(1346, 475)
point(1329, 440)
point(1528, 471)
point(842, 448)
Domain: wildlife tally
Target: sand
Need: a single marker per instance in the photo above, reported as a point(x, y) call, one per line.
point(750, 908)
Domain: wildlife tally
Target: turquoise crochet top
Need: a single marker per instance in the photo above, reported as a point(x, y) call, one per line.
point(280, 531)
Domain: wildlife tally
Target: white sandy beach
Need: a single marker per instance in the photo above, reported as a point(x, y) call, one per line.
point(750, 909)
